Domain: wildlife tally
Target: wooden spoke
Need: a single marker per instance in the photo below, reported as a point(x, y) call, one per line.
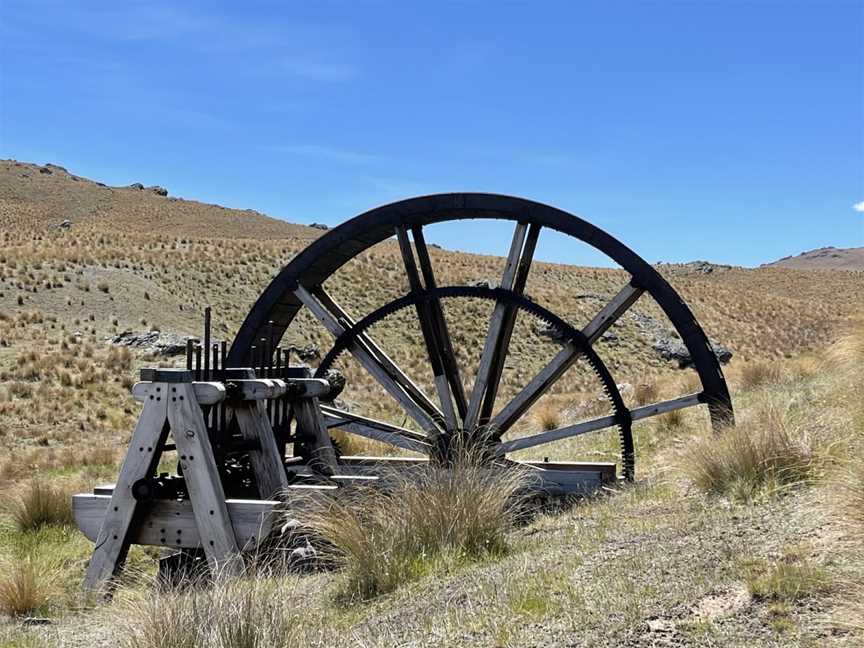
point(448, 357)
point(369, 345)
point(598, 424)
point(556, 435)
point(565, 358)
point(646, 411)
point(373, 365)
point(610, 313)
point(431, 338)
point(509, 322)
point(377, 430)
point(496, 326)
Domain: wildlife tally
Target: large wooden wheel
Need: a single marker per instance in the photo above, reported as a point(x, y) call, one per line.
point(461, 404)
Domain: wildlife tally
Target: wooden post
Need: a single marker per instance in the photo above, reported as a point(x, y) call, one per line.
point(254, 424)
point(141, 460)
point(310, 424)
point(202, 478)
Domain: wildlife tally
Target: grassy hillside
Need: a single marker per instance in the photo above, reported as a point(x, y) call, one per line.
point(744, 550)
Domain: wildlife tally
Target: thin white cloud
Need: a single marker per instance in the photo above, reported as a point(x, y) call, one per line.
point(319, 70)
point(859, 207)
point(326, 153)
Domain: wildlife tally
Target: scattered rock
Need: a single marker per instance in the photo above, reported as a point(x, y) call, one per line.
point(45, 170)
point(625, 388)
point(480, 283)
point(65, 224)
point(137, 185)
point(159, 191)
point(305, 353)
point(36, 621)
point(320, 226)
point(693, 267)
point(669, 345)
point(155, 342)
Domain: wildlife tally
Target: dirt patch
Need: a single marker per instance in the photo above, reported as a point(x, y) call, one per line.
point(722, 604)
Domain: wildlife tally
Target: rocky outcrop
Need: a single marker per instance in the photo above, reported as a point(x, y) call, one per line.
point(668, 344)
point(155, 342)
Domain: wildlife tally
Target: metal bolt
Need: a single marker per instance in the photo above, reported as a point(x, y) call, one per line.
point(190, 434)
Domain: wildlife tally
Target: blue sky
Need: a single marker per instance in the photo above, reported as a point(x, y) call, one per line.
point(728, 131)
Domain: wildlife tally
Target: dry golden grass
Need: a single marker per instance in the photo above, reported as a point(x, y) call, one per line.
point(248, 612)
point(384, 537)
point(25, 587)
point(41, 504)
point(756, 374)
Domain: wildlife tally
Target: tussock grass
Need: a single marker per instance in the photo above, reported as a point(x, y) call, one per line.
point(41, 504)
point(383, 537)
point(764, 454)
point(244, 612)
point(787, 580)
point(25, 587)
point(548, 416)
point(645, 393)
point(757, 374)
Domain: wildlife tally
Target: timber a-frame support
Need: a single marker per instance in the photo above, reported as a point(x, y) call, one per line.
point(206, 520)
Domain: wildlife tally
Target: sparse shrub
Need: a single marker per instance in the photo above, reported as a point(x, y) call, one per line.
point(40, 504)
point(25, 587)
point(430, 515)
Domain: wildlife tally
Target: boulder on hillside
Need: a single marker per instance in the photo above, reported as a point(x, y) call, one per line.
point(159, 191)
point(155, 342)
point(320, 226)
point(137, 185)
point(667, 342)
point(305, 353)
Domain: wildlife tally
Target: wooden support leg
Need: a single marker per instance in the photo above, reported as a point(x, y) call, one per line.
point(311, 426)
point(266, 461)
point(202, 479)
point(141, 460)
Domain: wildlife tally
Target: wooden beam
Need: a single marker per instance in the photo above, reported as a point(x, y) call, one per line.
point(690, 400)
point(142, 457)
point(538, 386)
point(577, 429)
point(206, 393)
point(556, 435)
point(434, 346)
point(376, 352)
point(376, 430)
point(310, 425)
point(262, 388)
point(254, 425)
point(376, 370)
point(500, 355)
point(448, 355)
point(169, 523)
point(202, 480)
point(610, 313)
point(563, 360)
point(496, 323)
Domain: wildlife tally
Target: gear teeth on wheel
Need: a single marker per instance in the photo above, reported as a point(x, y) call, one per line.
point(568, 332)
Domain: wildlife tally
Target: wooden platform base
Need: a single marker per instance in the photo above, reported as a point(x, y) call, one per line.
point(169, 523)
